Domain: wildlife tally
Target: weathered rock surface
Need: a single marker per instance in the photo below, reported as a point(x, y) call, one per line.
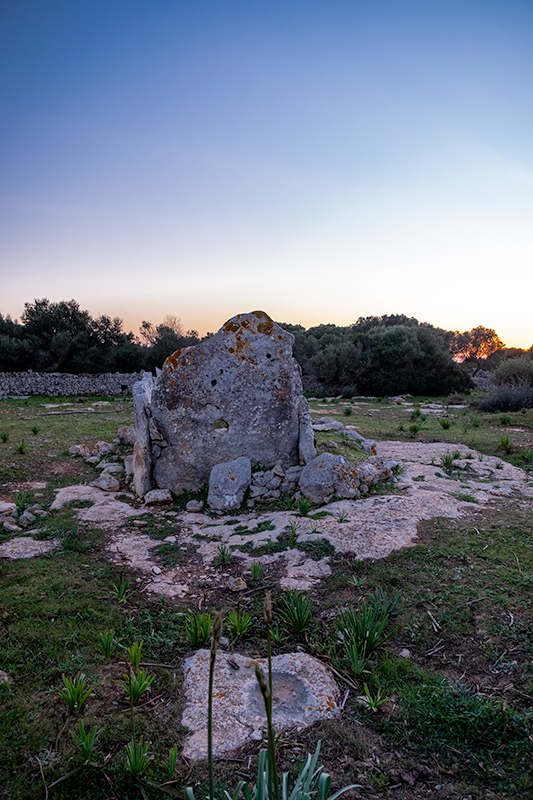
point(105, 511)
point(236, 394)
point(303, 692)
point(142, 450)
point(156, 496)
point(327, 475)
point(107, 482)
point(26, 547)
point(228, 482)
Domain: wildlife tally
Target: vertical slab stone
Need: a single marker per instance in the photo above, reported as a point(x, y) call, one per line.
point(142, 449)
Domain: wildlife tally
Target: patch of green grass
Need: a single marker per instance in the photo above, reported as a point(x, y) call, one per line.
point(317, 549)
point(244, 530)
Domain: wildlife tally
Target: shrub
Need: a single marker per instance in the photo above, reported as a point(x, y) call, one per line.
point(515, 372)
point(508, 398)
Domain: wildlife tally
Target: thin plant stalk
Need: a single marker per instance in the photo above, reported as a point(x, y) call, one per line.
point(272, 766)
point(215, 639)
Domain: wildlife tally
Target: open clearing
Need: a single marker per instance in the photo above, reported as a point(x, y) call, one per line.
point(450, 543)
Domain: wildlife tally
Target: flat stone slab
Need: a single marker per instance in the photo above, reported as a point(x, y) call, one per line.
point(105, 510)
point(26, 547)
point(303, 693)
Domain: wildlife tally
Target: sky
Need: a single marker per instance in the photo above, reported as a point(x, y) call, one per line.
point(320, 160)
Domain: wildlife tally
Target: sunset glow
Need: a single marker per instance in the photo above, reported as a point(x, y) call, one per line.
point(321, 161)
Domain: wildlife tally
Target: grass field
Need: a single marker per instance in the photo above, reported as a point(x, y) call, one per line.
point(455, 676)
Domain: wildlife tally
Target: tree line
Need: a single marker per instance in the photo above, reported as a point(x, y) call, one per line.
point(386, 355)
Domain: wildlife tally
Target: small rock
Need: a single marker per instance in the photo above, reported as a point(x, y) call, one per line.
point(405, 653)
point(10, 527)
point(224, 641)
point(92, 460)
point(4, 677)
point(26, 519)
point(114, 468)
point(194, 506)
point(7, 508)
point(328, 425)
point(107, 482)
point(156, 570)
point(171, 539)
point(157, 496)
point(278, 471)
point(140, 523)
point(126, 434)
point(369, 447)
point(237, 585)
point(228, 482)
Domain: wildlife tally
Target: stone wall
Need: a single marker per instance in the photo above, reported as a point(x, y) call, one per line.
point(16, 384)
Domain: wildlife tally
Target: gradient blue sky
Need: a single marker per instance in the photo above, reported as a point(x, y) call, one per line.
point(319, 160)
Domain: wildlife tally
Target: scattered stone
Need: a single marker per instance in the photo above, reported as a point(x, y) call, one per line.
point(171, 539)
point(369, 447)
point(228, 482)
point(10, 527)
point(128, 466)
point(405, 653)
point(26, 519)
point(107, 482)
point(4, 677)
point(353, 434)
point(326, 424)
point(156, 570)
point(237, 585)
point(126, 434)
point(194, 506)
point(140, 523)
point(327, 475)
point(156, 496)
point(7, 509)
point(27, 547)
point(303, 693)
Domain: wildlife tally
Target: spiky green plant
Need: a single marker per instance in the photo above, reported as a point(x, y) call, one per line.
point(365, 628)
point(121, 590)
point(107, 644)
point(137, 759)
point(198, 628)
point(239, 622)
point(296, 610)
point(86, 741)
point(75, 694)
point(447, 462)
point(135, 684)
point(224, 555)
point(134, 653)
point(304, 506)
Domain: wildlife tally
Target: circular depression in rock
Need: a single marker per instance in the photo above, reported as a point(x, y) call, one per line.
point(290, 698)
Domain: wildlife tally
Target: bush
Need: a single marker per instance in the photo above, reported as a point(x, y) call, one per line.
point(515, 372)
point(508, 398)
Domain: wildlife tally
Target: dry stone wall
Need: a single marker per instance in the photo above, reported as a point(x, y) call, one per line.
point(53, 384)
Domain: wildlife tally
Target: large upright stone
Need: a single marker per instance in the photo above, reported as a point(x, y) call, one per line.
point(236, 394)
